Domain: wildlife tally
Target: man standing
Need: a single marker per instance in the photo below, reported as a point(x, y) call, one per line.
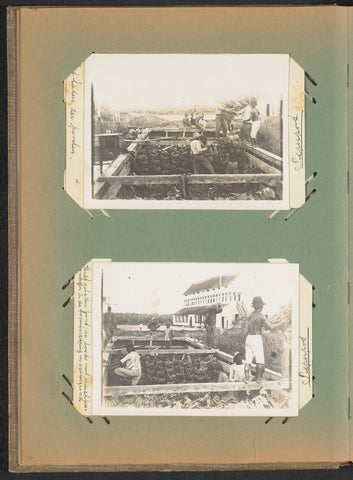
point(210, 324)
point(108, 326)
point(168, 335)
point(246, 125)
point(223, 118)
point(255, 121)
point(198, 146)
point(186, 123)
point(254, 347)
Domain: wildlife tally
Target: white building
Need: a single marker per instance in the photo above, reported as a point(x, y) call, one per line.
point(224, 290)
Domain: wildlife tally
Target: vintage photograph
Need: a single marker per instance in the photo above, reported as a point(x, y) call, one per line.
point(196, 339)
point(177, 129)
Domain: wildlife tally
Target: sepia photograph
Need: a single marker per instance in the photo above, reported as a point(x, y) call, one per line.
point(178, 130)
point(189, 339)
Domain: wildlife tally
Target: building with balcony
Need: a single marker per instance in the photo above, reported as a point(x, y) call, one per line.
point(224, 290)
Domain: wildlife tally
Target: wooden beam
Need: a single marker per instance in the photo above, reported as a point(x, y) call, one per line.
point(108, 134)
point(267, 163)
point(265, 155)
point(113, 190)
point(176, 351)
point(191, 179)
point(115, 168)
point(259, 163)
point(194, 387)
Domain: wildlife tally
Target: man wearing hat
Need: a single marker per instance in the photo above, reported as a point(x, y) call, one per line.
point(254, 347)
point(132, 370)
point(198, 147)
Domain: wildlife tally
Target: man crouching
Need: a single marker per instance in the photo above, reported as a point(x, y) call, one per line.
point(132, 369)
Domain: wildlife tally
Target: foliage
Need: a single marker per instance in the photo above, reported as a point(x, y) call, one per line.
point(139, 318)
point(269, 135)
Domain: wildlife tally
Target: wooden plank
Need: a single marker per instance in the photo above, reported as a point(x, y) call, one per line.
point(178, 129)
point(265, 155)
point(265, 167)
point(264, 162)
point(195, 387)
point(108, 134)
point(132, 147)
point(191, 179)
point(176, 351)
point(113, 190)
point(115, 168)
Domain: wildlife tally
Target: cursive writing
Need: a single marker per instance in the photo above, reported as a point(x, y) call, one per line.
point(297, 155)
point(73, 124)
point(83, 375)
point(305, 361)
point(74, 86)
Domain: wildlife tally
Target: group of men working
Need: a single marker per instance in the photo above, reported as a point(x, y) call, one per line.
point(249, 116)
point(194, 120)
point(240, 370)
point(247, 112)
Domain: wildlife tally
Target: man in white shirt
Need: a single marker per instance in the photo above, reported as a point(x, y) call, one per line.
point(132, 369)
point(198, 146)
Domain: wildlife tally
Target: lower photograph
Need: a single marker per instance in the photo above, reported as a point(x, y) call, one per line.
point(192, 339)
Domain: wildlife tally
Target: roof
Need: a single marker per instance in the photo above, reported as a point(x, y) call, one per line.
point(210, 283)
point(203, 309)
point(199, 309)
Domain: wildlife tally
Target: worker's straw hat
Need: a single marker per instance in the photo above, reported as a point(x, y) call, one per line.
point(196, 135)
point(258, 302)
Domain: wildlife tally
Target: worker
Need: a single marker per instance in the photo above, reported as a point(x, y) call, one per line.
point(202, 124)
point(210, 324)
point(246, 123)
point(221, 123)
point(132, 369)
point(186, 122)
point(198, 147)
point(255, 121)
point(108, 326)
point(168, 335)
point(224, 116)
point(254, 348)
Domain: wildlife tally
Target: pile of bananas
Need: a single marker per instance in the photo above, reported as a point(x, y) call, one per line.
point(177, 159)
point(171, 400)
point(161, 160)
point(174, 369)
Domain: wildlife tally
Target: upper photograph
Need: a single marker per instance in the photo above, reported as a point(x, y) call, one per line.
point(186, 131)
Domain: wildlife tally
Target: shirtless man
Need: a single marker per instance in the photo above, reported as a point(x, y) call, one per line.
point(210, 323)
point(254, 347)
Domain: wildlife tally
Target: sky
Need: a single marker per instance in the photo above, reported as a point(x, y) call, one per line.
point(126, 82)
point(159, 287)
